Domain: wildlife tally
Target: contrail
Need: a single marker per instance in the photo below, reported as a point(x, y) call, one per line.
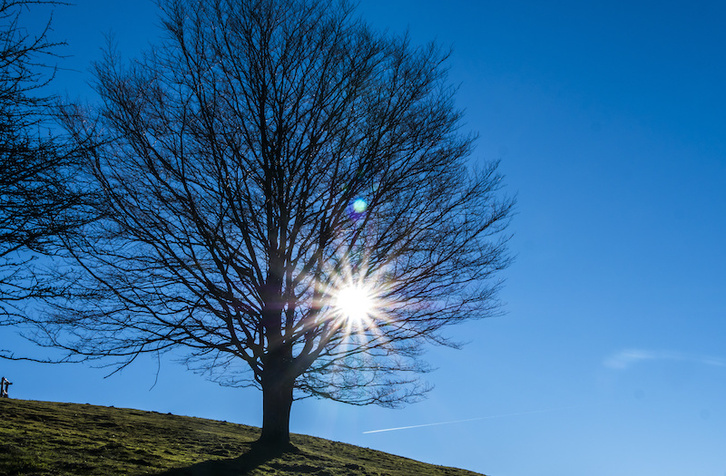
point(451, 422)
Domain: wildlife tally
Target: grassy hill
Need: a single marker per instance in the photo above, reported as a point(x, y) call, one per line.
point(46, 438)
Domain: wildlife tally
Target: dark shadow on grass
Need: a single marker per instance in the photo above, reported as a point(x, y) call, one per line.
point(254, 457)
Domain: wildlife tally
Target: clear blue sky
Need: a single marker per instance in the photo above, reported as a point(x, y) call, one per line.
point(610, 122)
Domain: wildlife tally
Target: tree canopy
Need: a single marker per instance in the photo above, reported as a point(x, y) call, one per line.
point(285, 195)
point(36, 205)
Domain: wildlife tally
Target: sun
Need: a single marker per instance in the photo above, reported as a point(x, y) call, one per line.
point(355, 302)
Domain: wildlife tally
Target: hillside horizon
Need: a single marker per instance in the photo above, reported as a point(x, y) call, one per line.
point(54, 438)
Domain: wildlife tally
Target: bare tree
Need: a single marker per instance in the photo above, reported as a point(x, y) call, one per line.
point(34, 199)
point(287, 196)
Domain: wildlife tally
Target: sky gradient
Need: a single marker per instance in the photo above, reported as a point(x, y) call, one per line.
point(609, 119)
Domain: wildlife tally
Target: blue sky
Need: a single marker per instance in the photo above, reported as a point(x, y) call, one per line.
point(609, 119)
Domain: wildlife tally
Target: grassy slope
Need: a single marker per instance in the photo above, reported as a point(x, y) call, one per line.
point(45, 438)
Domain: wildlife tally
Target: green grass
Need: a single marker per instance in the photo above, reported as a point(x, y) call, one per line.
point(46, 438)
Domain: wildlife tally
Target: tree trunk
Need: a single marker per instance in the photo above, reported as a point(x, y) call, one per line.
point(277, 391)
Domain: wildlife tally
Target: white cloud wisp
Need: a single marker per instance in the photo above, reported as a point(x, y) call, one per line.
point(626, 358)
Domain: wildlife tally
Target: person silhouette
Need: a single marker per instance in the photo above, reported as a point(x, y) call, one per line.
point(4, 386)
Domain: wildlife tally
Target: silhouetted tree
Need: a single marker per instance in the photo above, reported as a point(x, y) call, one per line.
point(267, 162)
point(34, 199)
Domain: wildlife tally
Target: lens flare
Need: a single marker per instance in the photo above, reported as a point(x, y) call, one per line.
point(359, 205)
point(357, 209)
